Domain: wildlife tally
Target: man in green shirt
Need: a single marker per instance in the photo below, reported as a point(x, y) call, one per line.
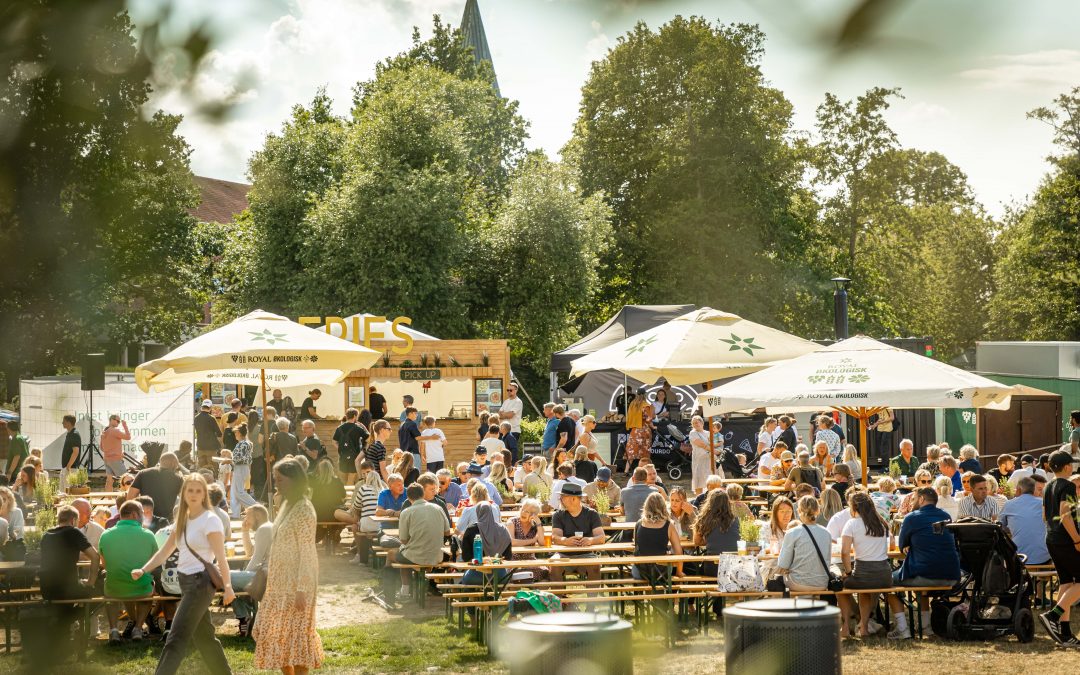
point(125, 547)
point(906, 460)
point(18, 451)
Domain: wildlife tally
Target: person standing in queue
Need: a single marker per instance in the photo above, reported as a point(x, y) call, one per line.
point(376, 404)
point(307, 408)
point(200, 539)
point(112, 449)
point(207, 436)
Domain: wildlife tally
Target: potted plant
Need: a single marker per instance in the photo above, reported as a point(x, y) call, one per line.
point(1005, 488)
point(603, 507)
point(436, 360)
point(454, 362)
point(78, 482)
point(750, 532)
point(423, 359)
point(44, 520)
point(386, 359)
point(543, 493)
point(508, 496)
point(894, 470)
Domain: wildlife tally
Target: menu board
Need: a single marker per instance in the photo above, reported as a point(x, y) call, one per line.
point(489, 394)
point(356, 397)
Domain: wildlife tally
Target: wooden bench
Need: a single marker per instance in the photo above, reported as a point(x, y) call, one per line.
point(484, 611)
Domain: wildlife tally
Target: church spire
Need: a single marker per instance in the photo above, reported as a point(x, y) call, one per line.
point(472, 29)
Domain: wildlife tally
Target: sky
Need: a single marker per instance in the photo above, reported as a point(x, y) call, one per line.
point(969, 70)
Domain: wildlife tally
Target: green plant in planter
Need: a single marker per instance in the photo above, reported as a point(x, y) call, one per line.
point(894, 470)
point(454, 362)
point(436, 360)
point(45, 492)
point(749, 531)
point(386, 359)
point(533, 491)
point(532, 430)
point(423, 359)
point(485, 359)
point(406, 363)
point(78, 478)
point(603, 502)
point(1005, 488)
point(543, 493)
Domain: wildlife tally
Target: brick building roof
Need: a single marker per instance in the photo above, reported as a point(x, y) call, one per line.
point(220, 201)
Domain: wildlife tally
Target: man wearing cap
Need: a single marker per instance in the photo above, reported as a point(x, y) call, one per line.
point(480, 458)
point(578, 526)
point(603, 483)
point(1026, 470)
point(207, 436)
point(780, 470)
point(522, 470)
point(475, 471)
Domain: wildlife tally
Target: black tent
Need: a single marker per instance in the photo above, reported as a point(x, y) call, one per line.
point(631, 320)
point(599, 389)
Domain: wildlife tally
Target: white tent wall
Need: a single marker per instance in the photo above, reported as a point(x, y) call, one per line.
point(164, 417)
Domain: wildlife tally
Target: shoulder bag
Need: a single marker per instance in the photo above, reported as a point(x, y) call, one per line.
point(835, 583)
point(212, 572)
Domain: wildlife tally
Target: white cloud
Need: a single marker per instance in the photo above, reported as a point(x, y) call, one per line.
point(1055, 68)
point(331, 43)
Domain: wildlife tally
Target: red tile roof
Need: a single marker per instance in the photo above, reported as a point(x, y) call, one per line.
point(220, 201)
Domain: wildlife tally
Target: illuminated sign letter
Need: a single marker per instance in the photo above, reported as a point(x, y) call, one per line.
point(402, 334)
point(369, 334)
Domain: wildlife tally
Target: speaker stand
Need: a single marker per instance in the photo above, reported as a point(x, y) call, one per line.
point(87, 457)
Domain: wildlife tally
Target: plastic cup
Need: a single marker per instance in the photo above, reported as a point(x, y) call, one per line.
point(742, 546)
point(547, 539)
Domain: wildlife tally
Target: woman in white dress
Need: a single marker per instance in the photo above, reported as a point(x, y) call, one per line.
point(702, 460)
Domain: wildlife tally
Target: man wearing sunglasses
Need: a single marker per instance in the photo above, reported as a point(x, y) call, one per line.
point(511, 410)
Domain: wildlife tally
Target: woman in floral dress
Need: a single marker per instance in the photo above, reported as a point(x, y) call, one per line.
point(639, 417)
point(284, 633)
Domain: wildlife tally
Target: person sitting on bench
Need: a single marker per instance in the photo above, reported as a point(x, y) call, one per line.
point(578, 526)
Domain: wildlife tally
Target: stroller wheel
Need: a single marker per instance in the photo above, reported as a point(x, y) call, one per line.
point(1024, 625)
point(674, 472)
point(954, 623)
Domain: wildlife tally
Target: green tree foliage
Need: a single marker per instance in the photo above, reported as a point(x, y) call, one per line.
point(903, 225)
point(540, 261)
point(93, 194)
point(691, 147)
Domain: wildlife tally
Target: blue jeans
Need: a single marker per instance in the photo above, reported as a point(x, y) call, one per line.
point(243, 606)
point(192, 623)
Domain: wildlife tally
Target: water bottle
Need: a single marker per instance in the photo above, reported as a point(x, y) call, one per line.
point(478, 550)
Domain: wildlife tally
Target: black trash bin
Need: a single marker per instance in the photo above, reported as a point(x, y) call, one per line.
point(782, 636)
point(567, 643)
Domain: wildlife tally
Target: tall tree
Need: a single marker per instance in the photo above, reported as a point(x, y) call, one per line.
point(93, 194)
point(540, 261)
point(691, 148)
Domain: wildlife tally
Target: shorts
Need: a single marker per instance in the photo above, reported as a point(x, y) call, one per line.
point(116, 468)
point(1066, 561)
point(347, 463)
point(870, 574)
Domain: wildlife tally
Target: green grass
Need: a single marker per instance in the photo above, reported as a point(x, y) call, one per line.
point(394, 646)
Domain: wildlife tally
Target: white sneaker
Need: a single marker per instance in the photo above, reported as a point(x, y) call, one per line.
point(897, 634)
point(404, 592)
point(873, 626)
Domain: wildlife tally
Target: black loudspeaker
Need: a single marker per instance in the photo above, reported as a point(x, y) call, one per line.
point(93, 372)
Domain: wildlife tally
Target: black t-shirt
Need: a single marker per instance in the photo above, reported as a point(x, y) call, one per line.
point(998, 475)
point(408, 432)
point(283, 444)
point(377, 406)
point(788, 436)
point(585, 469)
point(312, 445)
point(305, 407)
point(350, 438)
point(277, 404)
point(567, 426)
point(72, 444)
point(162, 486)
point(60, 549)
point(1057, 491)
point(585, 522)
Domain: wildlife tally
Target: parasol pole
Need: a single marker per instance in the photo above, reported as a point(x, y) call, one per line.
point(712, 432)
point(269, 483)
point(862, 445)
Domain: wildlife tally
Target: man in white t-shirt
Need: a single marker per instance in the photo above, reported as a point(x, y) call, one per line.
point(769, 460)
point(491, 442)
point(575, 415)
point(434, 443)
point(565, 474)
point(511, 410)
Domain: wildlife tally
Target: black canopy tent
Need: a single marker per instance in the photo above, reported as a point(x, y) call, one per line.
point(599, 389)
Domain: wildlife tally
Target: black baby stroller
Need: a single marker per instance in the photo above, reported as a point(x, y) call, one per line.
point(995, 591)
point(670, 450)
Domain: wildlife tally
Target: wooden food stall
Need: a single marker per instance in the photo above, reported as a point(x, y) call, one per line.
point(451, 380)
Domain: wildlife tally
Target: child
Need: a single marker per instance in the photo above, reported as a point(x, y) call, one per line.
point(225, 469)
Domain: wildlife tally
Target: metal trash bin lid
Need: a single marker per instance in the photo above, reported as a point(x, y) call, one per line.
point(571, 622)
point(784, 608)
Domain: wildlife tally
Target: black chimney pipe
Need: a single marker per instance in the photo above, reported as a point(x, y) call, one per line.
point(840, 307)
